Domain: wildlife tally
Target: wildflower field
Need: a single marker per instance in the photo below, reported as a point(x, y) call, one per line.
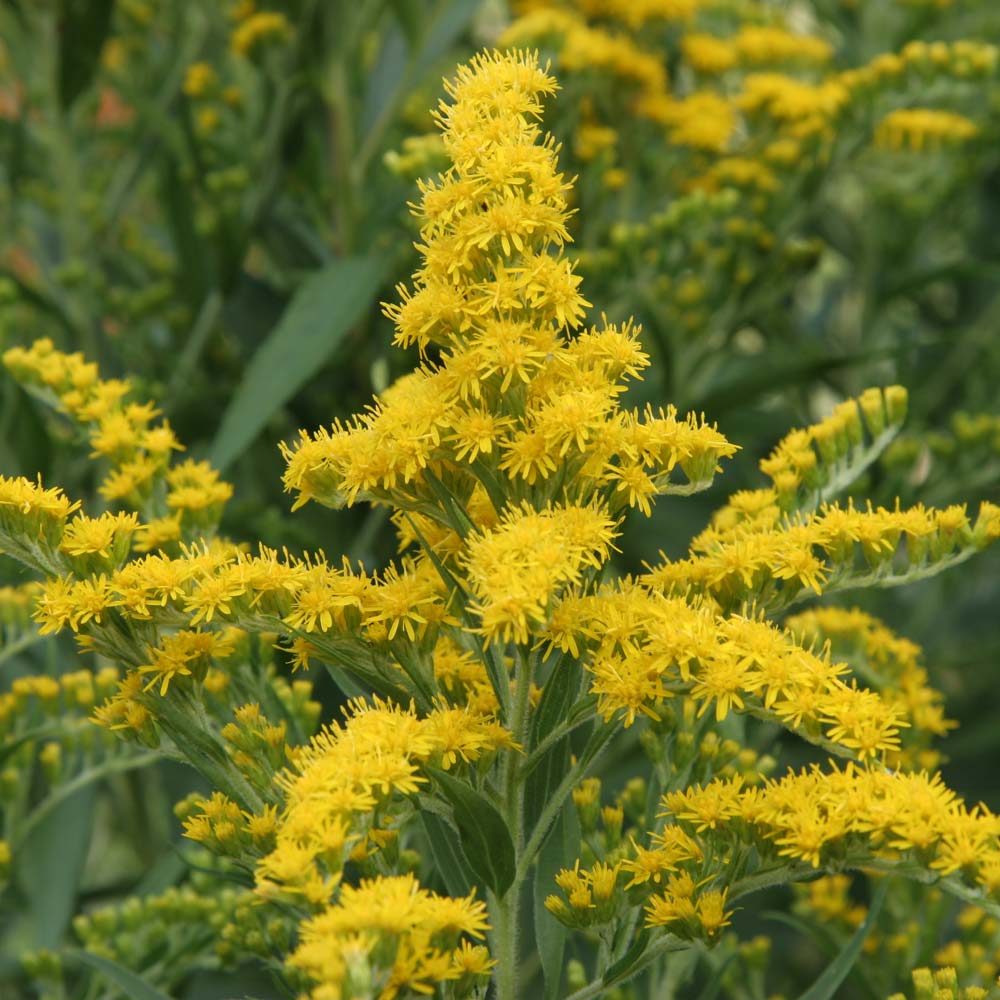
point(498, 499)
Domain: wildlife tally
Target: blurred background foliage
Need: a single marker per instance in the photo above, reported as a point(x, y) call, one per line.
point(795, 198)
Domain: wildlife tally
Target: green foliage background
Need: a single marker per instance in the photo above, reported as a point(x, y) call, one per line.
point(230, 253)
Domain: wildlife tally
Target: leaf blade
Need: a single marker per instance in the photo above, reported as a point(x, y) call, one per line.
point(829, 981)
point(485, 840)
point(321, 313)
point(132, 985)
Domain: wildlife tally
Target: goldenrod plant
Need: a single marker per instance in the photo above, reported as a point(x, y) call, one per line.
point(543, 778)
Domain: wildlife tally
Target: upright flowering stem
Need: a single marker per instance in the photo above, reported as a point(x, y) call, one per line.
point(506, 910)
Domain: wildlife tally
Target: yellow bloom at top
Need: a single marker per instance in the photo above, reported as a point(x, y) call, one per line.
point(509, 406)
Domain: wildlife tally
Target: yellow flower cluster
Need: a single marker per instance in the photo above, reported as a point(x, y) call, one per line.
point(768, 546)
point(734, 93)
point(256, 28)
point(590, 894)
point(975, 955)
point(810, 464)
point(889, 664)
point(517, 568)
point(753, 45)
point(643, 648)
point(964, 59)
point(923, 128)
point(32, 521)
point(342, 797)
point(342, 785)
point(342, 948)
point(513, 411)
point(138, 451)
point(834, 548)
point(849, 817)
point(34, 697)
point(942, 983)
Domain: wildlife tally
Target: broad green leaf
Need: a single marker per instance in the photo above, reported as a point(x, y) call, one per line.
point(486, 841)
point(314, 323)
point(133, 986)
point(829, 982)
point(50, 864)
point(458, 878)
point(558, 851)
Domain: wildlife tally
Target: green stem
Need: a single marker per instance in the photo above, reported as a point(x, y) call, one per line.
point(659, 947)
point(507, 910)
point(573, 777)
point(563, 729)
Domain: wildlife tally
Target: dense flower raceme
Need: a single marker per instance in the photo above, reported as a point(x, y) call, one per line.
point(508, 460)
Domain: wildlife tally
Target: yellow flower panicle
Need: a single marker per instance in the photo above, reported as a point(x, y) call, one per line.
point(642, 648)
point(854, 816)
point(120, 431)
point(344, 947)
point(513, 408)
point(835, 548)
point(340, 797)
point(33, 521)
point(824, 458)
point(138, 450)
point(888, 663)
point(921, 129)
point(771, 546)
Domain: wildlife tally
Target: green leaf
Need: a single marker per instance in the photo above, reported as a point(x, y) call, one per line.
point(133, 986)
point(83, 27)
point(558, 850)
point(712, 987)
point(557, 699)
point(486, 842)
point(449, 862)
point(50, 865)
point(312, 327)
point(630, 962)
point(827, 985)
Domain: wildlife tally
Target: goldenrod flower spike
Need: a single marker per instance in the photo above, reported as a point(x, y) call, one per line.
point(515, 410)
